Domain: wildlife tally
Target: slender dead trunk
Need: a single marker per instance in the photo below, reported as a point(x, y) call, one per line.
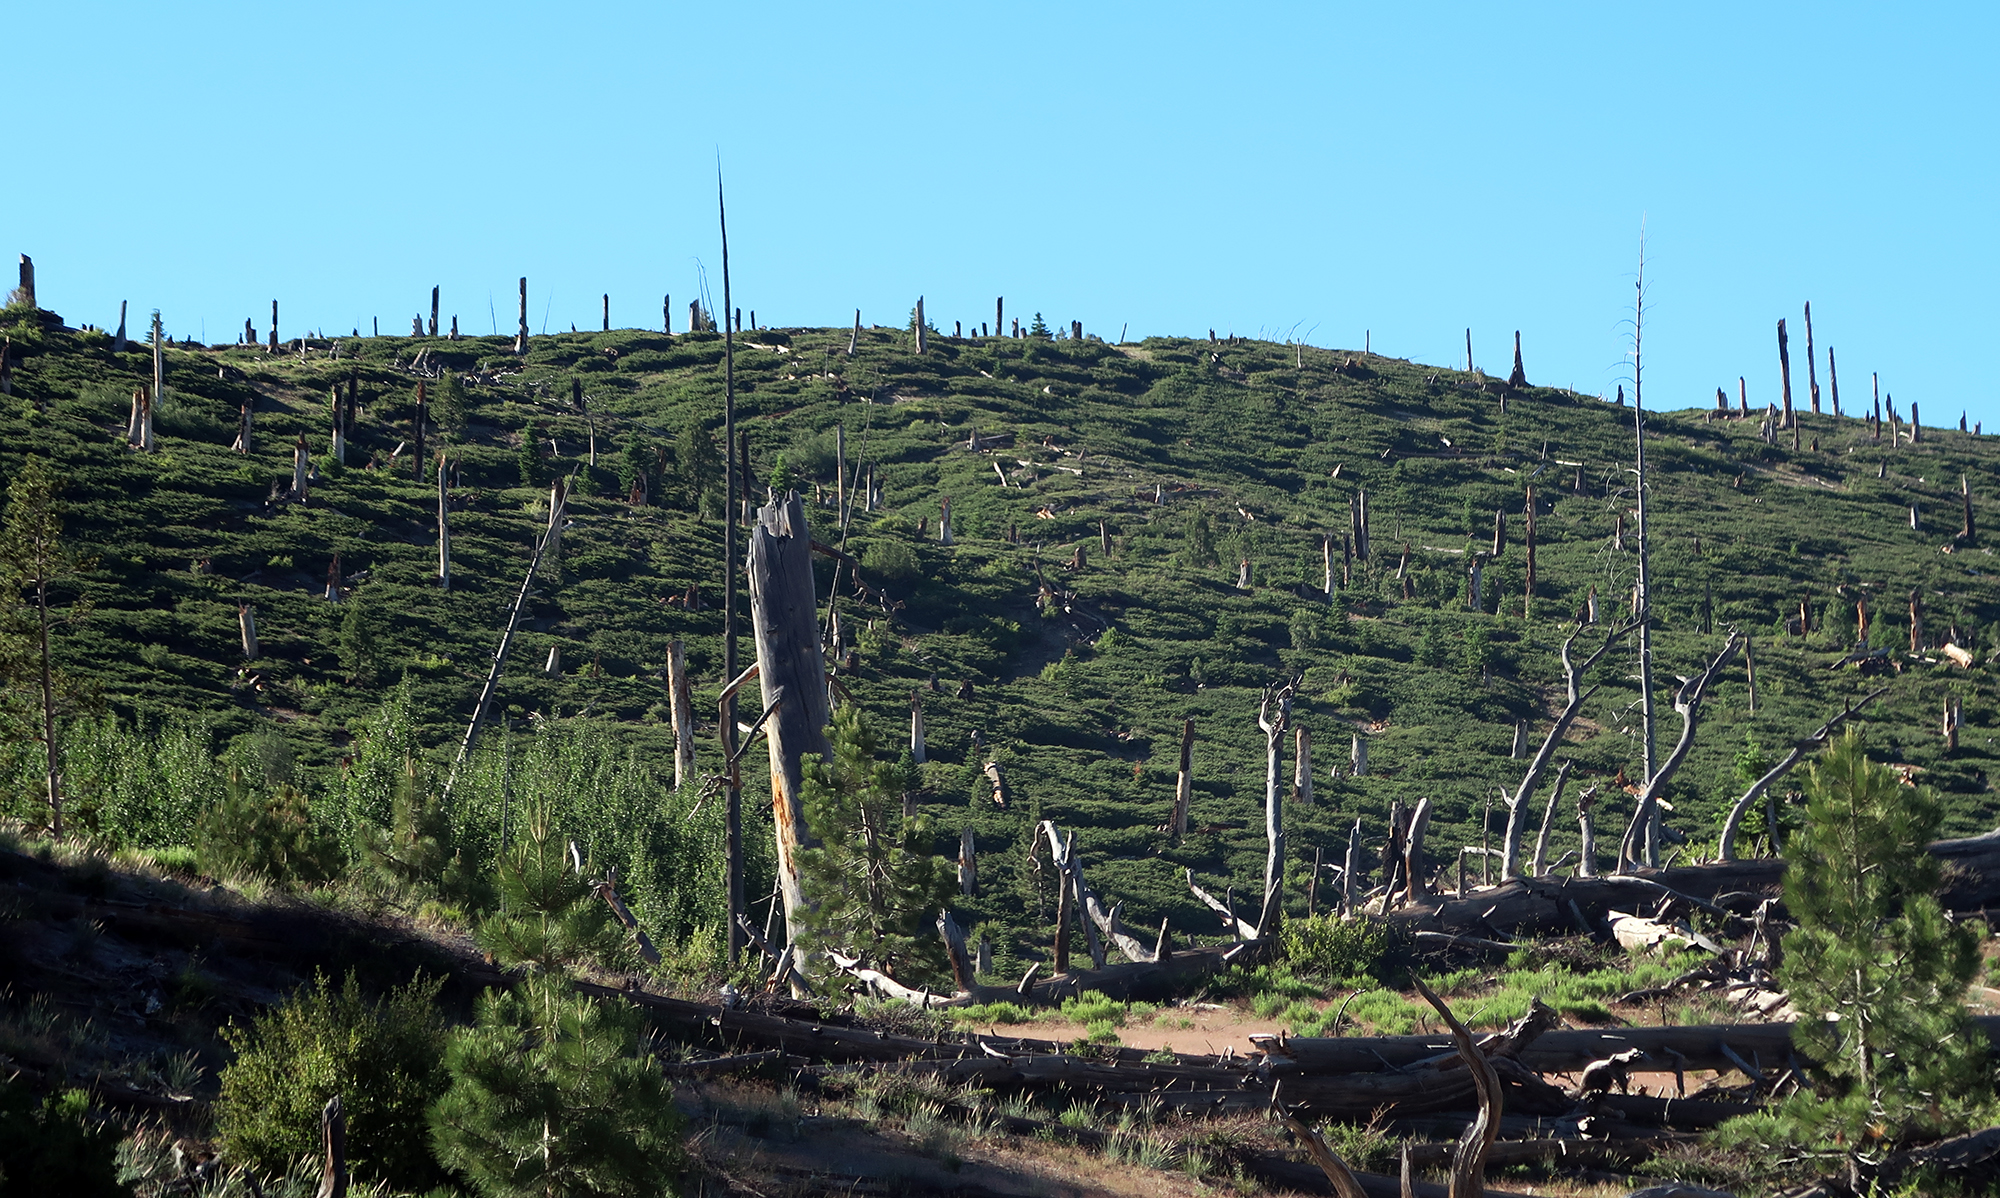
point(854, 338)
point(680, 701)
point(1184, 782)
point(118, 341)
point(301, 470)
point(434, 311)
point(1785, 373)
point(968, 864)
point(1528, 589)
point(791, 671)
point(1643, 595)
point(1586, 857)
point(273, 348)
point(920, 325)
point(1537, 863)
point(492, 684)
point(417, 438)
point(1349, 884)
point(246, 624)
point(1517, 377)
point(1812, 364)
point(1358, 757)
point(1273, 717)
point(1833, 379)
point(1302, 765)
point(917, 725)
point(521, 337)
point(1726, 845)
point(1642, 836)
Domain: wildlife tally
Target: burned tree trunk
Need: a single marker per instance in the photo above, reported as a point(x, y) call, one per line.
point(680, 702)
point(1517, 803)
point(917, 725)
point(854, 338)
point(784, 617)
point(1351, 870)
point(1273, 717)
point(1517, 377)
point(1357, 758)
point(1916, 622)
point(1586, 854)
point(434, 311)
point(1726, 846)
point(521, 337)
point(1812, 364)
point(1499, 532)
point(920, 325)
point(273, 348)
point(1183, 782)
point(1833, 379)
point(1785, 373)
point(246, 624)
point(944, 521)
point(1302, 765)
point(1688, 706)
point(242, 442)
point(118, 341)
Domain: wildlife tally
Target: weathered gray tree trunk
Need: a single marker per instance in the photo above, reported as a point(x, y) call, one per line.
point(434, 311)
point(920, 324)
point(242, 442)
point(784, 618)
point(1812, 364)
point(1273, 717)
point(680, 702)
point(1358, 756)
point(999, 312)
point(854, 338)
point(917, 749)
point(273, 347)
point(1351, 872)
point(1326, 555)
point(607, 312)
point(1577, 696)
point(1528, 588)
point(1687, 705)
point(118, 341)
point(417, 433)
point(25, 294)
point(492, 683)
point(1184, 782)
point(944, 521)
point(968, 864)
point(1586, 856)
point(1726, 846)
point(333, 1143)
point(1537, 863)
point(1302, 765)
point(444, 522)
point(558, 509)
point(246, 624)
point(1785, 373)
point(301, 470)
point(1517, 377)
point(1833, 379)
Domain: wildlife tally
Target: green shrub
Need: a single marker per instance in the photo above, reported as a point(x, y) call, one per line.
point(551, 1097)
point(549, 914)
point(889, 561)
point(49, 1147)
point(268, 833)
point(1332, 947)
point(381, 1057)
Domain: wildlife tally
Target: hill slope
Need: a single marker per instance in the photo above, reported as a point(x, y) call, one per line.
point(1076, 679)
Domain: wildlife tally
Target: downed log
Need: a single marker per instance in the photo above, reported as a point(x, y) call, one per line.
point(1565, 1051)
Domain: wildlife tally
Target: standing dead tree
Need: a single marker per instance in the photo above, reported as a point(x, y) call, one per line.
point(680, 699)
point(1726, 847)
point(1578, 695)
point(791, 669)
point(1274, 717)
point(1183, 782)
point(1785, 373)
point(1687, 705)
point(492, 684)
point(1098, 919)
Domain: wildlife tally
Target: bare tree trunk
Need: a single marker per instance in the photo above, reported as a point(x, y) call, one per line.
point(242, 444)
point(1349, 884)
point(1952, 708)
point(301, 470)
point(434, 311)
point(1184, 782)
point(920, 325)
point(1586, 857)
point(1726, 846)
point(1916, 622)
point(1528, 590)
point(444, 522)
point(1499, 531)
point(680, 703)
point(1540, 859)
point(1573, 675)
point(854, 338)
point(1833, 379)
point(968, 864)
point(1812, 364)
point(1785, 373)
point(521, 337)
point(274, 327)
point(1643, 595)
point(784, 618)
point(1302, 765)
point(1517, 377)
point(1916, 424)
point(1414, 864)
point(607, 313)
point(417, 439)
point(944, 521)
point(999, 314)
point(1965, 494)
point(118, 342)
point(333, 1139)
point(1687, 705)
point(492, 684)
point(917, 726)
point(840, 474)
point(1358, 756)
point(1273, 717)
point(1742, 398)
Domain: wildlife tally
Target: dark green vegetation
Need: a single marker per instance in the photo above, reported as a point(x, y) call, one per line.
point(1077, 683)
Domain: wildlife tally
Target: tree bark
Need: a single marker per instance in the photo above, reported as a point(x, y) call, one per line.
point(1517, 377)
point(968, 864)
point(1184, 782)
point(1350, 875)
point(1528, 589)
point(1358, 756)
point(1726, 847)
point(1785, 373)
point(1536, 863)
point(920, 325)
point(680, 700)
point(521, 337)
point(434, 311)
point(1577, 696)
point(1302, 765)
point(917, 726)
point(492, 684)
point(1812, 364)
point(274, 327)
point(1273, 723)
point(333, 1141)
point(1468, 1166)
point(444, 522)
point(791, 672)
point(1688, 706)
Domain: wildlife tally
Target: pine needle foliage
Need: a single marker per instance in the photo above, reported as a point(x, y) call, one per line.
point(271, 833)
point(380, 1057)
point(1876, 968)
point(552, 1097)
point(549, 917)
point(51, 1146)
point(874, 884)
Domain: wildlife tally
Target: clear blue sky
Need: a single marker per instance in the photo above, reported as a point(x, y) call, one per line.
point(1409, 170)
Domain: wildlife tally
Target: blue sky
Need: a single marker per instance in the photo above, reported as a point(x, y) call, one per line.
point(1399, 171)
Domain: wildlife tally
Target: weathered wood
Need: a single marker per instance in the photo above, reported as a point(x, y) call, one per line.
point(1337, 1173)
point(1184, 782)
point(1577, 695)
point(1302, 765)
point(333, 1150)
point(680, 703)
point(791, 673)
point(953, 936)
point(920, 324)
point(521, 337)
point(1273, 717)
point(968, 864)
point(917, 725)
point(1349, 879)
point(1468, 1166)
point(1528, 588)
point(246, 625)
point(1726, 846)
point(1238, 927)
point(1414, 863)
point(1687, 705)
point(1540, 858)
point(1357, 757)
point(1517, 377)
point(1785, 373)
point(1096, 917)
point(273, 348)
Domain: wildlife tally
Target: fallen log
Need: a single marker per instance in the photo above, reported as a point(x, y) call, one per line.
point(1566, 1051)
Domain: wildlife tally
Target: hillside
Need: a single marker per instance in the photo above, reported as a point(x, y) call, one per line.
point(1070, 667)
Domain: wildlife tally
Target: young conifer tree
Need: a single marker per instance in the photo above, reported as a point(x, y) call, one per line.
point(874, 885)
point(1876, 968)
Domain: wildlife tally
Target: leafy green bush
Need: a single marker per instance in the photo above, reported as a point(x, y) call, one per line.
point(549, 914)
point(552, 1097)
point(889, 561)
point(271, 833)
point(381, 1058)
point(1332, 947)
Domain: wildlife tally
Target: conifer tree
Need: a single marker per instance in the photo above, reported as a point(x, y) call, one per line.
point(34, 557)
point(551, 1097)
point(549, 915)
point(1876, 968)
point(875, 885)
